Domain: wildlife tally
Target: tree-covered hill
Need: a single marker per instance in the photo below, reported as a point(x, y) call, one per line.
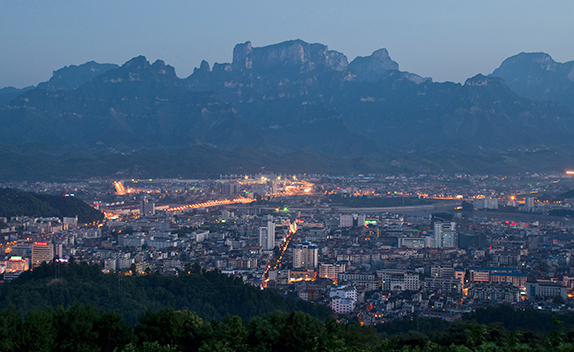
point(211, 294)
point(84, 309)
point(15, 203)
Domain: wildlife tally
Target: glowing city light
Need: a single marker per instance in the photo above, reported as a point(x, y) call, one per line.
point(212, 203)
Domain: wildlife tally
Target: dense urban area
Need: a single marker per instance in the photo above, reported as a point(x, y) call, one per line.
point(373, 248)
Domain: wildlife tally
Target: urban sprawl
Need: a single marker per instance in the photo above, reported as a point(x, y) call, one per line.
point(375, 247)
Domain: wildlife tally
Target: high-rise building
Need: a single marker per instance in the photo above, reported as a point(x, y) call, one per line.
point(267, 235)
point(485, 203)
point(305, 256)
point(230, 188)
point(146, 208)
point(41, 252)
point(444, 234)
point(351, 220)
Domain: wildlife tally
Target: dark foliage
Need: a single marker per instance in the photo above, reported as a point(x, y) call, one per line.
point(210, 294)
point(14, 203)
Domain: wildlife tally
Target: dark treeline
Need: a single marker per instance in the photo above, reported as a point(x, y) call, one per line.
point(76, 307)
point(209, 294)
point(85, 328)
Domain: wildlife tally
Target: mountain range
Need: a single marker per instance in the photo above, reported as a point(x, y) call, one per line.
point(292, 106)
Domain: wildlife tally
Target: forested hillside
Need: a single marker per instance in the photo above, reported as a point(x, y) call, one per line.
point(84, 309)
point(15, 203)
point(211, 294)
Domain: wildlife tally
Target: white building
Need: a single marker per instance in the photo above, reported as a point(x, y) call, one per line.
point(415, 242)
point(546, 289)
point(347, 291)
point(398, 280)
point(342, 305)
point(343, 299)
point(305, 256)
point(485, 203)
point(267, 235)
point(348, 220)
point(444, 234)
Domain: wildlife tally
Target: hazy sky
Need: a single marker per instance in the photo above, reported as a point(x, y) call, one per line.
point(445, 40)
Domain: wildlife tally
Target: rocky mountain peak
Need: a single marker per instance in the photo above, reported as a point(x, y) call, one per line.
point(204, 66)
point(138, 62)
point(140, 69)
point(372, 68)
point(484, 81)
point(529, 61)
point(72, 77)
point(537, 76)
point(290, 53)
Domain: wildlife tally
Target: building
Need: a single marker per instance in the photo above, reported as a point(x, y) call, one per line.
point(345, 291)
point(398, 280)
point(267, 235)
point(331, 271)
point(230, 188)
point(444, 285)
point(342, 305)
point(146, 209)
point(497, 274)
point(70, 221)
point(16, 263)
point(343, 299)
point(355, 276)
point(545, 289)
point(352, 220)
point(442, 272)
point(415, 242)
point(495, 292)
point(305, 256)
point(444, 234)
point(41, 252)
point(485, 203)
point(362, 281)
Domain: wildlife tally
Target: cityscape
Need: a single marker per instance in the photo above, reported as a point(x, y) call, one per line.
point(375, 248)
point(302, 176)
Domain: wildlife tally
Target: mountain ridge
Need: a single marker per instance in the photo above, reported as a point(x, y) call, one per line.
point(287, 97)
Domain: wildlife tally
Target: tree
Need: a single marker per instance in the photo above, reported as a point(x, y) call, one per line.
point(170, 327)
point(10, 327)
point(75, 328)
point(38, 331)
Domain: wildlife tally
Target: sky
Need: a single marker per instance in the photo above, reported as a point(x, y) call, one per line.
point(446, 40)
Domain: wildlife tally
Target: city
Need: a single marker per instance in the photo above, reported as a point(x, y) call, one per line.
point(373, 248)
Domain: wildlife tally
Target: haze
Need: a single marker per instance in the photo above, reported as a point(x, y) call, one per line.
point(447, 40)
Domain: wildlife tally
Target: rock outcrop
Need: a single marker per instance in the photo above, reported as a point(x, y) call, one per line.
point(294, 53)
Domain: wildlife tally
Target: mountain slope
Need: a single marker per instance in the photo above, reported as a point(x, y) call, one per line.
point(291, 99)
point(16, 203)
point(138, 105)
point(538, 77)
point(72, 77)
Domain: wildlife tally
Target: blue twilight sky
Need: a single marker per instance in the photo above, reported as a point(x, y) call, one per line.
point(446, 40)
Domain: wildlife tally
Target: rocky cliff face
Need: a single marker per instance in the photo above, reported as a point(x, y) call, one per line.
point(291, 53)
point(483, 81)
